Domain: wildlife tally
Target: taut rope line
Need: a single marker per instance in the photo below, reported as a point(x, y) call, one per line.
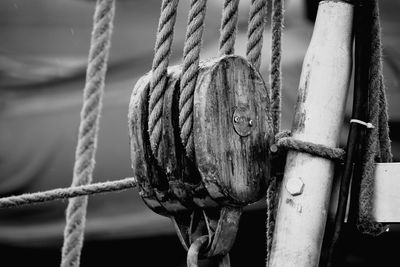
point(255, 32)
point(69, 192)
point(162, 51)
point(276, 55)
point(228, 27)
point(191, 58)
point(88, 130)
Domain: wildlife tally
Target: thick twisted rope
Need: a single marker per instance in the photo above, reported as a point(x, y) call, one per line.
point(88, 130)
point(70, 192)
point(255, 31)
point(228, 30)
point(191, 57)
point(284, 140)
point(276, 74)
point(162, 51)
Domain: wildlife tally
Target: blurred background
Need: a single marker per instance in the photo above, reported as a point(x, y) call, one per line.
point(43, 53)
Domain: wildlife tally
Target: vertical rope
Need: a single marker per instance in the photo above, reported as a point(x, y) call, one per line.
point(276, 88)
point(162, 51)
point(384, 140)
point(377, 141)
point(228, 30)
point(270, 221)
point(88, 130)
point(191, 57)
point(276, 74)
point(255, 31)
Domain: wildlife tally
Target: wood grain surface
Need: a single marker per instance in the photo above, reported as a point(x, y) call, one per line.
point(152, 181)
point(232, 130)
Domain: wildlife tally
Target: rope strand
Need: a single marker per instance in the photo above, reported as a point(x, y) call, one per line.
point(276, 73)
point(228, 30)
point(165, 36)
point(70, 192)
point(88, 130)
point(255, 31)
point(191, 57)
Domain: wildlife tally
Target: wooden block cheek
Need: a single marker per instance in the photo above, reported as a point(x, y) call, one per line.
point(232, 154)
point(150, 177)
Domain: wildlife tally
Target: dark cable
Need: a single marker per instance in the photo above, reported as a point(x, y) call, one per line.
point(356, 135)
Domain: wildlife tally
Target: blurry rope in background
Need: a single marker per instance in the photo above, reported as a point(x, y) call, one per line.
point(228, 30)
point(162, 51)
point(190, 71)
point(88, 130)
point(255, 31)
point(69, 192)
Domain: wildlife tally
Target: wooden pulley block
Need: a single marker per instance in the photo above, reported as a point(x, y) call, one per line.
point(169, 182)
point(152, 181)
point(183, 177)
point(232, 130)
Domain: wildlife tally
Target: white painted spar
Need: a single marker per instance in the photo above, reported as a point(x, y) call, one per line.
point(324, 82)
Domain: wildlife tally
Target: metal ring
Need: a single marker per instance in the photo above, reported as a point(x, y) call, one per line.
point(194, 250)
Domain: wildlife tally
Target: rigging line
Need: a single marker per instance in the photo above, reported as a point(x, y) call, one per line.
point(228, 30)
point(255, 32)
point(69, 192)
point(190, 71)
point(276, 58)
point(162, 52)
point(88, 130)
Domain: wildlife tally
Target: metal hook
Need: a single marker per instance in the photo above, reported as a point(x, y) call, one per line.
point(197, 246)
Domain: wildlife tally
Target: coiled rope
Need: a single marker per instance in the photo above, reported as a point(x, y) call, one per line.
point(190, 71)
point(162, 51)
point(88, 130)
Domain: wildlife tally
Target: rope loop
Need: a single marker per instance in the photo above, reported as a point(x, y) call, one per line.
point(284, 140)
